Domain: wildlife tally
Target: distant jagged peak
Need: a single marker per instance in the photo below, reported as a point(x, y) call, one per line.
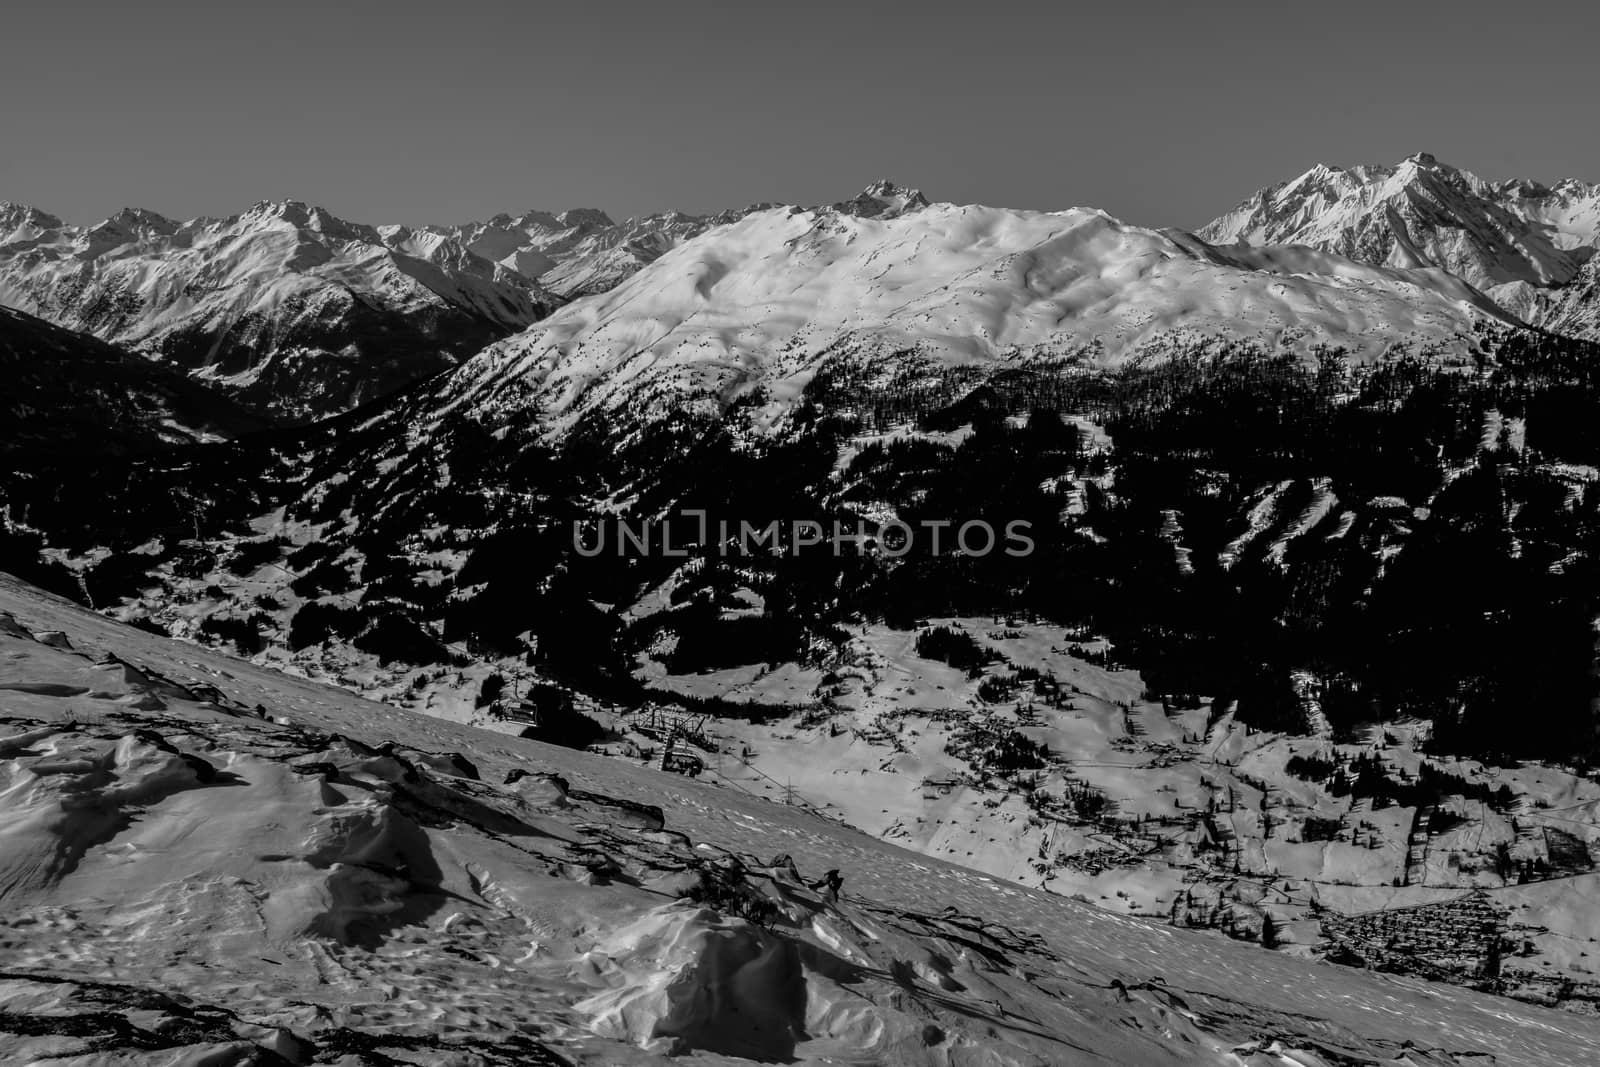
point(591, 218)
point(1424, 167)
point(659, 220)
point(127, 228)
point(584, 220)
point(1369, 180)
point(1566, 190)
point(15, 214)
point(1526, 188)
point(139, 221)
point(683, 223)
point(884, 189)
point(1321, 172)
point(1414, 164)
point(21, 224)
point(531, 219)
point(1426, 161)
point(1577, 186)
point(1425, 212)
point(308, 218)
point(286, 304)
point(1322, 178)
point(296, 211)
point(883, 199)
point(1426, 164)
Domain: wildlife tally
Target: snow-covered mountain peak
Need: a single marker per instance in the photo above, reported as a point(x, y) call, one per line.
point(1420, 166)
point(301, 312)
point(1576, 187)
point(588, 218)
point(882, 199)
point(19, 222)
point(298, 215)
point(128, 226)
point(582, 251)
point(137, 222)
point(294, 211)
point(751, 309)
point(142, 220)
point(10, 209)
point(1422, 212)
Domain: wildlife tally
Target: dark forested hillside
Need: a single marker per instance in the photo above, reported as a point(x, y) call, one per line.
point(1271, 532)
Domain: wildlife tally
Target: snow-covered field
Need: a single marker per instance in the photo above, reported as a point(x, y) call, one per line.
point(204, 859)
point(1180, 814)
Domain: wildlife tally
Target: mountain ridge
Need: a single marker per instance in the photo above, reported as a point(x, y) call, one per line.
point(294, 311)
point(751, 307)
point(1520, 241)
point(583, 252)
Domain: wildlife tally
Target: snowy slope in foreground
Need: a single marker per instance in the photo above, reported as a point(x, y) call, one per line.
point(189, 879)
point(750, 309)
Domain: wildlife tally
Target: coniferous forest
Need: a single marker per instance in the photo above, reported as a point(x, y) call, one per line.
point(1417, 539)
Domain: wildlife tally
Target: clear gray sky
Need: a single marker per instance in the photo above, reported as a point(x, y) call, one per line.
point(442, 112)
